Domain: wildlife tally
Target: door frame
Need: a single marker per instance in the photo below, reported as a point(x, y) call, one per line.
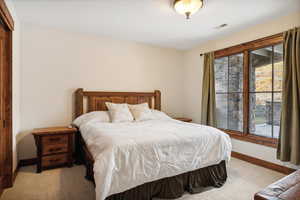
point(8, 21)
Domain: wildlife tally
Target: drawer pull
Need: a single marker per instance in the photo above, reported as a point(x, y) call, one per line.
point(55, 149)
point(54, 139)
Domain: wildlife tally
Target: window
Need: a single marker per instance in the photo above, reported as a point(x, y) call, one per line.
point(229, 92)
point(248, 83)
point(266, 68)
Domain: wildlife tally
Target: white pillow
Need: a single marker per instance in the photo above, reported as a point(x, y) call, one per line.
point(119, 112)
point(141, 111)
point(159, 115)
point(96, 116)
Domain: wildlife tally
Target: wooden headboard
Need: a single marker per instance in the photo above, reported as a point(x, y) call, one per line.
point(96, 100)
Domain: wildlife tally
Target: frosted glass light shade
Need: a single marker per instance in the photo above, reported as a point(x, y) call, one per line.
point(187, 7)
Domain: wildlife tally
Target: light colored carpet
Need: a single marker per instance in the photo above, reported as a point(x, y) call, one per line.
point(69, 184)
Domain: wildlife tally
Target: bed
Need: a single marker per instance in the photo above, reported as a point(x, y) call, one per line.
point(161, 158)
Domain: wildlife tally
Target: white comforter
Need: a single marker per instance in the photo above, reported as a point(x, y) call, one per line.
point(130, 154)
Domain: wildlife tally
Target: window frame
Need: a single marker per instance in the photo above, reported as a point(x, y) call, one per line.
point(246, 48)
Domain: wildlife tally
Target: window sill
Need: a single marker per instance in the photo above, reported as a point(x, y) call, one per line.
point(270, 142)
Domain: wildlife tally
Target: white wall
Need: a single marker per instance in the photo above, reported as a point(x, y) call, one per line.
point(55, 63)
point(193, 68)
point(16, 79)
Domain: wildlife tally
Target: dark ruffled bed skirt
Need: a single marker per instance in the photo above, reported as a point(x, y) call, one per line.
point(174, 187)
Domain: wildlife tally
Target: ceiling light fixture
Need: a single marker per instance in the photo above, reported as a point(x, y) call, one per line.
point(187, 7)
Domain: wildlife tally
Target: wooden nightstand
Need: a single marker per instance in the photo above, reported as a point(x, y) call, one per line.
point(54, 147)
point(184, 119)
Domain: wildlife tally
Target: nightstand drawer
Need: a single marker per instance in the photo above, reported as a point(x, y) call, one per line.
point(54, 160)
point(54, 139)
point(55, 148)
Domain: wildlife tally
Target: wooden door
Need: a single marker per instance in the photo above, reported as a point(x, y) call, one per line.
point(5, 108)
point(6, 29)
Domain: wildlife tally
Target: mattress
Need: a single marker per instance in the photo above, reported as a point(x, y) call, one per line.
point(130, 154)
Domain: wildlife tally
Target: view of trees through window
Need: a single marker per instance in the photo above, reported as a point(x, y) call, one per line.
point(264, 91)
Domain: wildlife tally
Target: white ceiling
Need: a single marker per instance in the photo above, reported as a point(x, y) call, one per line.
point(152, 21)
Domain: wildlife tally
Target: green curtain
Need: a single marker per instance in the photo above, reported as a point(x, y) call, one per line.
point(208, 106)
point(289, 140)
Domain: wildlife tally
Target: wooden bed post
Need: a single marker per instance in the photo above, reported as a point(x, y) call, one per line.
point(78, 102)
point(78, 111)
point(157, 100)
